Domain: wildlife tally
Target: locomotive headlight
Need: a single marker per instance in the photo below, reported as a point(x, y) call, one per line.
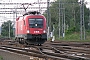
point(44, 31)
point(28, 31)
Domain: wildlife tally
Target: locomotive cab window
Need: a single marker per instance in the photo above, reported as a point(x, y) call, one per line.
point(36, 23)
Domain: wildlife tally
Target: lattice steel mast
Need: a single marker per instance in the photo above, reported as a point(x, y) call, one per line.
point(82, 28)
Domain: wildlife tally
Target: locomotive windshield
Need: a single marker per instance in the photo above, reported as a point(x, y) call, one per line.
point(36, 23)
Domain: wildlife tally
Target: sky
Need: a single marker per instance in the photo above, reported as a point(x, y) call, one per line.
point(31, 1)
point(88, 3)
point(4, 16)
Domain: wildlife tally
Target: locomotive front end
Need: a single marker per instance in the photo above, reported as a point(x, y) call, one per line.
point(36, 32)
point(31, 28)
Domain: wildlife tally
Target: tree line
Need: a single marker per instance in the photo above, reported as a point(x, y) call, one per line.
point(70, 11)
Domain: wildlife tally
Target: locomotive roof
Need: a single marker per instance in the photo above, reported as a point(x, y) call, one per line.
point(31, 12)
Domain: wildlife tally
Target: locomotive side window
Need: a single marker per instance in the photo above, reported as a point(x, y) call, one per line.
point(36, 23)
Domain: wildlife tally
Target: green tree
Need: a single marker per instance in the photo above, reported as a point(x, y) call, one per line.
point(72, 14)
point(5, 29)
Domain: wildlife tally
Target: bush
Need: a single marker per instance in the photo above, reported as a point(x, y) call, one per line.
point(71, 30)
point(1, 58)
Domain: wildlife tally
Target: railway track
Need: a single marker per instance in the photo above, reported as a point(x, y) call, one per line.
point(51, 51)
point(44, 53)
point(34, 53)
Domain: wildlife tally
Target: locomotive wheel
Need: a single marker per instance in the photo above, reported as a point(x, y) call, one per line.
point(21, 41)
point(39, 44)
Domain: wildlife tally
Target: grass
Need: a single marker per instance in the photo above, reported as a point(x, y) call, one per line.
point(1, 58)
point(75, 37)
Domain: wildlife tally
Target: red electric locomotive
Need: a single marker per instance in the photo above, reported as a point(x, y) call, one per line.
point(31, 28)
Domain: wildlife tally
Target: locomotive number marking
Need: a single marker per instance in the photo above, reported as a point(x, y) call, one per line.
point(36, 31)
